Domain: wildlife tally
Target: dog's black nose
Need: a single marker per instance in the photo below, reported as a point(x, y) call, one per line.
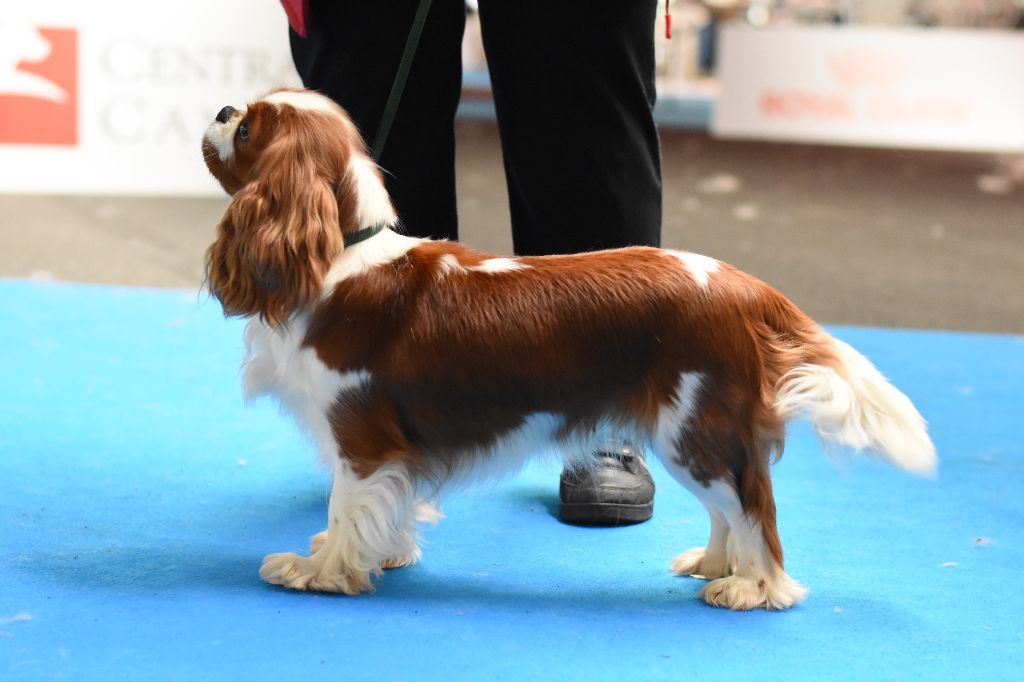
point(225, 114)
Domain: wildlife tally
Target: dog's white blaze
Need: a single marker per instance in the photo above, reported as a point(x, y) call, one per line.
point(277, 365)
point(700, 267)
point(222, 136)
point(495, 265)
point(309, 101)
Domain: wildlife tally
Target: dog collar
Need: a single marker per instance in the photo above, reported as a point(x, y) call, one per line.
point(363, 234)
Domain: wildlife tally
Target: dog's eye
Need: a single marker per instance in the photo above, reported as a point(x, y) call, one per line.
point(243, 131)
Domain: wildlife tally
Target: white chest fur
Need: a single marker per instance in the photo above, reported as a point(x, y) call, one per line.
point(277, 365)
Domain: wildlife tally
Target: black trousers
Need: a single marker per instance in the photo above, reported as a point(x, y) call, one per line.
point(573, 87)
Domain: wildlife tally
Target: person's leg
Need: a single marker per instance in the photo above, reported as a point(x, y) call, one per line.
point(574, 90)
point(352, 54)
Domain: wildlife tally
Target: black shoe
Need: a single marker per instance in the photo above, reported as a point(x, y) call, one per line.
point(617, 491)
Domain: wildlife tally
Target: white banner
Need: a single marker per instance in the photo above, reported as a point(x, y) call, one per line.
point(110, 96)
point(928, 88)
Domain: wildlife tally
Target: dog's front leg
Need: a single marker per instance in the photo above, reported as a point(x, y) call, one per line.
point(370, 526)
point(425, 513)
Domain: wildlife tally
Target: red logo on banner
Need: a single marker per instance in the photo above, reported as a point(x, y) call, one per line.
point(38, 85)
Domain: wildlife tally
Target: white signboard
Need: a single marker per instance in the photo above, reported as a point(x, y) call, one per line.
point(928, 88)
point(109, 96)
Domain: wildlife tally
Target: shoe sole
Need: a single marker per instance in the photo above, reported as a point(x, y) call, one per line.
point(605, 514)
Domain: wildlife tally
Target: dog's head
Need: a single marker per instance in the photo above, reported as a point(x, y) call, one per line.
point(300, 179)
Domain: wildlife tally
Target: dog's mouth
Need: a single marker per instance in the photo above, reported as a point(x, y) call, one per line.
point(218, 142)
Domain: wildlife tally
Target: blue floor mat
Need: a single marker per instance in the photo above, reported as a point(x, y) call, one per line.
point(138, 495)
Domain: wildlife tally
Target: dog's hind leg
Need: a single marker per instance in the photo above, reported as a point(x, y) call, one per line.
point(717, 445)
point(371, 526)
point(671, 436)
point(713, 561)
point(743, 557)
point(758, 579)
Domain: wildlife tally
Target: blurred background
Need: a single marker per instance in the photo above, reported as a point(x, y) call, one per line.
point(864, 156)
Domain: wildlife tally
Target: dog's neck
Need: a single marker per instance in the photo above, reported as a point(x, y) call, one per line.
point(353, 238)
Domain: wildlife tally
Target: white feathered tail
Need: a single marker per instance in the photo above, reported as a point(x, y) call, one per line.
point(852, 404)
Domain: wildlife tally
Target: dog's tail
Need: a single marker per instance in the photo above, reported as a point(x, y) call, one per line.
point(843, 395)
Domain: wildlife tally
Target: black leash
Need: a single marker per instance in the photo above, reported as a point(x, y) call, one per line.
point(391, 108)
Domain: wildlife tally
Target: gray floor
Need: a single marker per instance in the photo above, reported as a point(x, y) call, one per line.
point(867, 237)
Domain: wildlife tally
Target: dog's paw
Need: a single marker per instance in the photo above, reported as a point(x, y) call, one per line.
point(304, 573)
point(697, 563)
point(288, 570)
point(317, 541)
point(742, 593)
point(398, 562)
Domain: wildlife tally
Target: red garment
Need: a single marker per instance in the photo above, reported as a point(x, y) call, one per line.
point(298, 12)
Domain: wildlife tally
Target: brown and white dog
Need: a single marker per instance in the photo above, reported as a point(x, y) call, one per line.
point(417, 365)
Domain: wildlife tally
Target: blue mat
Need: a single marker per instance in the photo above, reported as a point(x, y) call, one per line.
point(138, 495)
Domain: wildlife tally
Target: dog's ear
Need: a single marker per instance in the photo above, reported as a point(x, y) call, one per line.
point(276, 241)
